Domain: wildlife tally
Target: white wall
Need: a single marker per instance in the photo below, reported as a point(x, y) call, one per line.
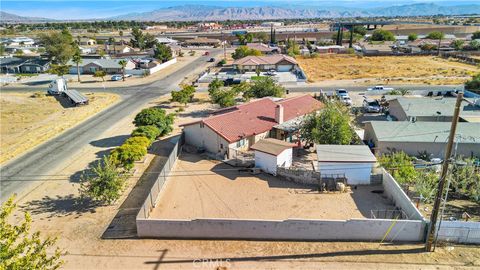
point(356, 173)
point(460, 232)
point(290, 229)
point(205, 137)
point(268, 163)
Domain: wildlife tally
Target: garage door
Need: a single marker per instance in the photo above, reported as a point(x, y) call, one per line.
point(284, 68)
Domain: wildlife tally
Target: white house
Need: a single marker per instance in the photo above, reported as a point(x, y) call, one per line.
point(270, 153)
point(355, 162)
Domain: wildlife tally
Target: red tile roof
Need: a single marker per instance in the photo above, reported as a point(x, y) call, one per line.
point(257, 117)
point(264, 60)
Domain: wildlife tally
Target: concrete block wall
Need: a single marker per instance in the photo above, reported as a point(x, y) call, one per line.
point(395, 193)
point(459, 232)
point(305, 177)
point(290, 229)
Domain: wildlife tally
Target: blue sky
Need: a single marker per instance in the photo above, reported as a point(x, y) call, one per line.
point(58, 9)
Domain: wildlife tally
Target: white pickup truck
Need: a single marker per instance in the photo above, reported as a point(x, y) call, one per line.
point(380, 88)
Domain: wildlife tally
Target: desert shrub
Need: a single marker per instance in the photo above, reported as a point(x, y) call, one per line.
point(151, 132)
point(125, 155)
point(157, 117)
point(139, 140)
point(400, 166)
point(264, 87)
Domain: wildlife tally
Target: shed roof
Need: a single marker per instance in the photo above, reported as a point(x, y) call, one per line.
point(345, 153)
point(405, 131)
point(272, 146)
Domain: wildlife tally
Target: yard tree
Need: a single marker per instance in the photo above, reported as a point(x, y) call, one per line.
point(474, 83)
point(163, 52)
point(137, 39)
point(22, 249)
point(425, 185)
point(123, 63)
point(476, 35)
point(77, 59)
point(59, 70)
point(60, 46)
point(100, 74)
point(329, 126)
point(249, 37)
point(360, 29)
point(157, 117)
point(151, 132)
point(184, 95)
point(243, 51)
point(292, 48)
point(262, 36)
point(400, 166)
point(382, 35)
point(412, 37)
point(104, 183)
point(474, 45)
point(435, 35)
point(2, 49)
point(241, 38)
point(466, 180)
point(458, 44)
point(150, 41)
point(139, 140)
point(215, 85)
point(125, 155)
point(264, 87)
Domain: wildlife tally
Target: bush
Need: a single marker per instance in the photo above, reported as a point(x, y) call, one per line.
point(106, 182)
point(139, 141)
point(264, 87)
point(382, 35)
point(125, 155)
point(400, 166)
point(221, 63)
point(435, 35)
point(151, 132)
point(157, 117)
point(184, 95)
point(426, 185)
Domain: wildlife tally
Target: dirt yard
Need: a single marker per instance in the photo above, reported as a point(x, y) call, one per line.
point(210, 189)
point(28, 119)
point(387, 69)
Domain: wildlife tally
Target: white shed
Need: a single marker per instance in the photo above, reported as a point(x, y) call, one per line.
point(354, 161)
point(270, 153)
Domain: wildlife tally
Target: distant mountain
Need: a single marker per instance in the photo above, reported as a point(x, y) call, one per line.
point(210, 13)
point(12, 18)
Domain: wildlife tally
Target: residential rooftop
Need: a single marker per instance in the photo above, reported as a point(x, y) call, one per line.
point(345, 153)
point(272, 146)
point(264, 60)
point(435, 106)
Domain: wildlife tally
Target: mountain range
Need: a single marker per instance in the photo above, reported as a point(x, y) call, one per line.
point(271, 12)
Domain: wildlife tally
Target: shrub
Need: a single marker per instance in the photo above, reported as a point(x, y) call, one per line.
point(156, 117)
point(400, 166)
point(139, 141)
point(151, 132)
point(221, 63)
point(125, 155)
point(264, 87)
point(382, 35)
point(184, 95)
point(106, 182)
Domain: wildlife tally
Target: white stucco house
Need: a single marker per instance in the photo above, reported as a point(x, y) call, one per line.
point(270, 153)
point(355, 162)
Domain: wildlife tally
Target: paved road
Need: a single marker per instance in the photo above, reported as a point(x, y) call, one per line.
point(44, 157)
point(356, 88)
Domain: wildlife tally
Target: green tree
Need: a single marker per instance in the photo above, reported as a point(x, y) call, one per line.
point(249, 37)
point(125, 155)
point(243, 51)
point(59, 70)
point(292, 48)
point(151, 132)
point(474, 45)
point(100, 74)
point(60, 46)
point(425, 185)
point(435, 35)
point(264, 87)
point(466, 180)
point(458, 44)
point(382, 35)
point(400, 166)
point(476, 35)
point(104, 183)
point(21, 249)
point(330, 126)
point(139, 140)
point(262, 36)
point(150, 41)
point(77, 59)
point(184, 95)
point(163, 52)
point(157, 117)
point(137, 39)
point(241, 38)
point(474, 83)
point(2, 49)
point(412, 37)
point(360, 29)
point(123, 63)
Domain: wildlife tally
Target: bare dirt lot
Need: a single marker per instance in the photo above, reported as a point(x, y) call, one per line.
point(29, 119)
point(387, 69)
point(211, 189)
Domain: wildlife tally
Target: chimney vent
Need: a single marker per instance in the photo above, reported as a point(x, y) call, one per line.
point(279, 114)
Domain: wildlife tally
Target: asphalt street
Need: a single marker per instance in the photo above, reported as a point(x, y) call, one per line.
point(22, 172)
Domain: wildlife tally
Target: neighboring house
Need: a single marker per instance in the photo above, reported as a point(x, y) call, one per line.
point(355, 162)
point(11, 64)
point(425, 109)
point(16, 41)
point(385, 48)
point(88, 49)
point(118, 49)
point(331, 49)
point(413, 138)
point(167, 41)
point(35, 65)
point(24, 65)
point(87, 42)
point(110, 66)
point(239, 127)
point(281, 63)
point(202, 42)
point(271, 153)
point(263, 48)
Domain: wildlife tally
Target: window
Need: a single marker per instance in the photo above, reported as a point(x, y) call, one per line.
point(241, 143)
point(221, 146)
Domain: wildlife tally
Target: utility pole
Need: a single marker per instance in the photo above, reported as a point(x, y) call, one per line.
point(443, 176)
point(224, 47)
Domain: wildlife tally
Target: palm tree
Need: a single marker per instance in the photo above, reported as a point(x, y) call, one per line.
point(123, 63)
point(77, 59)
point(120, 33)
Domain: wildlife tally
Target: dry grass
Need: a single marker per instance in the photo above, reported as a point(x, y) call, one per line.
point(408, 69)
point(29, 119)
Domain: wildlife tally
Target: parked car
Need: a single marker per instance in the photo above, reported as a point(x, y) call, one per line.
point(211, 60)
point(118, 77)
point(341, 93)
point(371, 105)
point(380, 88)
point(231, 81)
point(206, 53)
point(271, 73)
point(346, 100)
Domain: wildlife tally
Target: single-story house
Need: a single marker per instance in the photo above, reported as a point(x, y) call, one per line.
point(11, 64)
point(331, 49)
point(385, 48)
point(354, 162)
point(85, 41)
point(202, 42)
point(110, 66)
point(35, 65)
point(425, 109)
point(263, 48)
point(166, 41)
point(15, 41)
point(118, 49)
point(413, 138)
point(239, 127)
point(280, 63)
point(271, 153)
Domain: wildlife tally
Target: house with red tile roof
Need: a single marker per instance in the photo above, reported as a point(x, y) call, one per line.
point(263, 48)
point(278, 62)
point(241, 126)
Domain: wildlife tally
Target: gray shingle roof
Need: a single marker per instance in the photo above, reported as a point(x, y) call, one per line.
point(430, 107)
point(345, 153)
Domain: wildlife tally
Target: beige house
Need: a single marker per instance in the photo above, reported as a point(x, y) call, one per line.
point(280, 63)
point(110, 66)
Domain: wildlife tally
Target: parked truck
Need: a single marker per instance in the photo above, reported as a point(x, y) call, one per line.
point(380, 88)
point(59, 87)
